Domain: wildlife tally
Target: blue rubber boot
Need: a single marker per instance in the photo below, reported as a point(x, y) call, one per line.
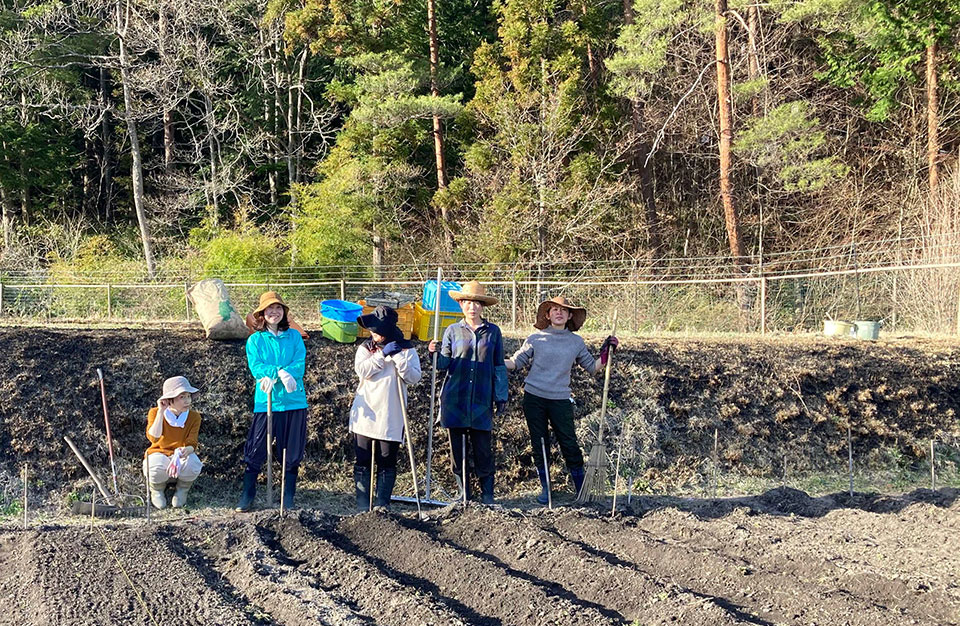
point(386, 479)
point(544, 496)
point(248, 493)
point(577, 474)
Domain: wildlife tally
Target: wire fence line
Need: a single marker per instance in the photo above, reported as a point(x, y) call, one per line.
point(921, 296)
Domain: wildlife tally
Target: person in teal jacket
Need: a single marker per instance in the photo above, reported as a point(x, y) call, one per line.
point(276, 357)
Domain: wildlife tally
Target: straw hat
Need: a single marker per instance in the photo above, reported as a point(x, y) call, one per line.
point(174, 386)
point(473, 291)
point(267, 298)
point(574, 323)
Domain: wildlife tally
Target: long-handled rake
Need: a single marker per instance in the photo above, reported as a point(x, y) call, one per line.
point(595, 476)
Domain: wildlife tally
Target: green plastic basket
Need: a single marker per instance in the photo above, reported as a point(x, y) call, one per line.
point(341, 332)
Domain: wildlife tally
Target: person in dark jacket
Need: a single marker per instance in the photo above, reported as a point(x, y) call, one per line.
point(551, 352)
point(276, 357)
point(475, 385)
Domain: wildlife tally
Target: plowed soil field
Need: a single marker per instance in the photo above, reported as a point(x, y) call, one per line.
point(869, 561)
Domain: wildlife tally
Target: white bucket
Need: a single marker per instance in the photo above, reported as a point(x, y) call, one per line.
point(837, 328)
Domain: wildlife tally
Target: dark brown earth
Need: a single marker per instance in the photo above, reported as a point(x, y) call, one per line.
point(781, 407)
point(869, 561)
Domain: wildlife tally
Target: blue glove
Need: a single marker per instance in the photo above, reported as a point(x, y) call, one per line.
point(391, 348)
point(501, 407)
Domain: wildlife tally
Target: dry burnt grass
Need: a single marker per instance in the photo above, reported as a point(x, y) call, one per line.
point(781, 557)
point(776, 403)
point(498, 567)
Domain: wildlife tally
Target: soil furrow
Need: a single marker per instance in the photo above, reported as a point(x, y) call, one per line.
point(494, 593)
point(101, 577)
point(520, 543)
point(19, 591)
point(357, 582)
point(246, 556)
point(777, 589)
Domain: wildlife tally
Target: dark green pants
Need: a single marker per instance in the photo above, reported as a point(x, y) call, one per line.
point(559, 415)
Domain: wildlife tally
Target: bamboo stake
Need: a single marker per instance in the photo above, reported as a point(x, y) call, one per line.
point(850, 455)
point(270, 449)
point(25, 475)
point(546, 472)
point(463, 467)
point(933, 471)
point(93, 509)
point(283, 481)
point(716, 462)
point(146, 482)
point(433, 388)
point(373, 472)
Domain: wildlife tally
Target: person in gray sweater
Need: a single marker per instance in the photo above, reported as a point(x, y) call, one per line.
point(550, 353)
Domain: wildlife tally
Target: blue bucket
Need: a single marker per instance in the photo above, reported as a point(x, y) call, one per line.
point(447, 304)
point(340, 310)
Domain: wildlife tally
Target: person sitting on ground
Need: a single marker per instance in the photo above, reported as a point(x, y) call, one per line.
point(172, 429)
point(472, 355)
point(551, 352)
point(376, 416)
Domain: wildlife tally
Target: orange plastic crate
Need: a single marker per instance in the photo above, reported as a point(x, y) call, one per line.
point(406, 316)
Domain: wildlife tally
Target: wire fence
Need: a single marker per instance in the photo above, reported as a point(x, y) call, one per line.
point(910, 284)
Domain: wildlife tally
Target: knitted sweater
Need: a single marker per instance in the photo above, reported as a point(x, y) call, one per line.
point(173, 437)
point(551, 353)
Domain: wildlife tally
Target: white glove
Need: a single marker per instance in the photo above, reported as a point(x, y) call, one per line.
point(289, 382)
point(266, 385)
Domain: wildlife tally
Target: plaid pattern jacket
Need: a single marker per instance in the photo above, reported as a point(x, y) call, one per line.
point(476, 376)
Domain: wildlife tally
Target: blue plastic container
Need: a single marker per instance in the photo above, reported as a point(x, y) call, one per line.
point(340, 310)
point(447, 304)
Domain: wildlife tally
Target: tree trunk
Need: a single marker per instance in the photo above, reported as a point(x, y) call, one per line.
point(6, 201)
point(378, 253)
point(933, 139)
point(214, 158)
point(168, 139)
point(105, 189)
point(640, 165)
point(298, 112)
point(437, 126)
point(270, 126)
point(753, 56)
point(136, 167)
point(726, 135)
point(291, 127)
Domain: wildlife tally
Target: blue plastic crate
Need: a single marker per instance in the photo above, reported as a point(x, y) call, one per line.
point(447, 304)
point(340, 310)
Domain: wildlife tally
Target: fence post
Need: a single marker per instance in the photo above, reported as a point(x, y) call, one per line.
point(513, 301)
point(343, 289)
point(109, 301)
point(958, 311)
point(1, 298)
point(186, 299)
point(636, 304)
point(763, 305)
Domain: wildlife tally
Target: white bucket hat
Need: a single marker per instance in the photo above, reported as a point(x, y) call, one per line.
point(174, 386)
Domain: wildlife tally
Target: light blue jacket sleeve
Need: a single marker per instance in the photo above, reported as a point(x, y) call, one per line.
point(256, 360)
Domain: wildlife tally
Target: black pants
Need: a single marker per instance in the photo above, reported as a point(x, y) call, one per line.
point(386, 452)
point(480, 442)
point(559, 415)
point(289, 432)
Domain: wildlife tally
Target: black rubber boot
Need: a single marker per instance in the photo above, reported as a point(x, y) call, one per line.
point(248, 493)
point(361, 485)
point(289, 487)
point(486, 490)
point(386, 479)
point(577, 474)
point(544, 496)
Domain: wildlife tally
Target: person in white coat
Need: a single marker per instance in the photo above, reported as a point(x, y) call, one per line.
point(376, 417)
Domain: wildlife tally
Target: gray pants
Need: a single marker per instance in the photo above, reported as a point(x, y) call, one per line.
point(155, 469)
